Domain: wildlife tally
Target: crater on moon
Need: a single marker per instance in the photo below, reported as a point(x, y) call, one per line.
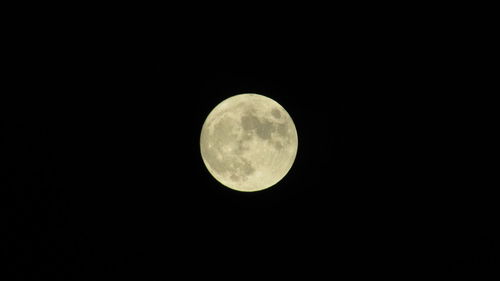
point(248, 142)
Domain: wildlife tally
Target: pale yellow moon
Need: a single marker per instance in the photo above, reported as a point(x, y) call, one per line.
point(248, 142)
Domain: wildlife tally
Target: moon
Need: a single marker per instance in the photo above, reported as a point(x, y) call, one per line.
point(248, 142)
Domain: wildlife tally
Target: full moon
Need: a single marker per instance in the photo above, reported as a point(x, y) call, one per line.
point(248, 142)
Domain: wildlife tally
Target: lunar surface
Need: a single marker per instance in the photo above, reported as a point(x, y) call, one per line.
point(248, 142)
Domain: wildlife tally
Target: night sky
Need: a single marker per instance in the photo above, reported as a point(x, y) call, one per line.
point(104, 175)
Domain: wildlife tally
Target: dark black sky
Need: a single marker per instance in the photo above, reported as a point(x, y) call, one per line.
point(104, 174)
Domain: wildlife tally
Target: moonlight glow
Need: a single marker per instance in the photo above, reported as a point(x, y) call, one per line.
point(248, 142)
